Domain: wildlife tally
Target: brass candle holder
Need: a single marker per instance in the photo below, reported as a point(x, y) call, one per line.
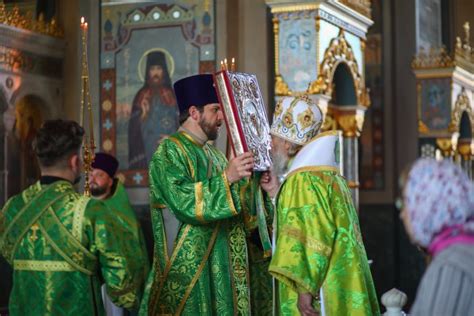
point(88, 144)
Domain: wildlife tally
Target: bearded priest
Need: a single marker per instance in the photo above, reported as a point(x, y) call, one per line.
point(319, 259)
point(200, 262)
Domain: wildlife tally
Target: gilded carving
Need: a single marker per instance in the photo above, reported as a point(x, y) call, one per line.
point(422, 128)
point(465, 150)
point(462, 105)
point(361, 6)
point(434, 58)
point(351, 123)
point(340, 51)
point(14, 18)
point(281, 87)
point(463, 51)
point(318, 86)
point(445, 144)
point(330, 123)
point(294, 8)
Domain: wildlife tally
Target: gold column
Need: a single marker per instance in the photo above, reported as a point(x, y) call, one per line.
point(281, 87)
point(350, 120)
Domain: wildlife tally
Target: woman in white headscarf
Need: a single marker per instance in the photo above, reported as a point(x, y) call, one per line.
point(438, 214)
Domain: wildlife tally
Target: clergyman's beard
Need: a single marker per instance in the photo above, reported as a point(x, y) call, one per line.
point(280, 163)
point(212, 132)
point(98, 191)
point(155, 82)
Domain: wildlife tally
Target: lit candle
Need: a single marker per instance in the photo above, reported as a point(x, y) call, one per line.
point(232, 64)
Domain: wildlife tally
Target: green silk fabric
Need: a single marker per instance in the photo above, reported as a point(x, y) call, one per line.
point(208, 271)
point(123, 210)
point(319, 244)
point(49, 278)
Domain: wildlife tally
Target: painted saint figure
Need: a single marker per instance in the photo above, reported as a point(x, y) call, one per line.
point(154, 112)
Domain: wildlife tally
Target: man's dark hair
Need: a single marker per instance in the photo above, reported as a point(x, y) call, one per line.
point(183, 116)
point(56, 141)
point(158, 59)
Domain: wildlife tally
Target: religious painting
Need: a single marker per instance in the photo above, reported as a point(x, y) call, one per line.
point(145, 48)
point(297, 60)
point(428, 24)
point(435, 107)
point(245, 116)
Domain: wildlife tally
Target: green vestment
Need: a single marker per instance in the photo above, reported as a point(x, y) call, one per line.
point(206, 272)
point(62, 247)
point(123, 210)
point(319, 248)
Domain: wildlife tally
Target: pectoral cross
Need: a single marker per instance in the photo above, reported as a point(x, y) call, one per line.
point(34, 229)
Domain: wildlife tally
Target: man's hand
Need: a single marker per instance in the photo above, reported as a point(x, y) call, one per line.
point(269, 183)
point(305, 306)
point(239, 167)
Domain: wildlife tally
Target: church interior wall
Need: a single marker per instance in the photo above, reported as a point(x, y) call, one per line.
point(244, 31)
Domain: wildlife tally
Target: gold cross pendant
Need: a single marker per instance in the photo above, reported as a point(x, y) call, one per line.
point(34, 228)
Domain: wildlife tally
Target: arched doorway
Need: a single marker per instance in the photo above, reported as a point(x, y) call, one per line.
point(343, 92)
point(341, 81)
point(464, 143)
point(462, 119)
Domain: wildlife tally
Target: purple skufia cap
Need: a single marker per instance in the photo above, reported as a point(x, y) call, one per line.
point(197, 90)
point(105, 162)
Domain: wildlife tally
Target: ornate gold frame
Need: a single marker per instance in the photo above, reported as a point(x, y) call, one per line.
point(462, 105)
point(339, 51)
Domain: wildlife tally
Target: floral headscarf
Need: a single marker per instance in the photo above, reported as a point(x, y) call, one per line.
point(438, 195)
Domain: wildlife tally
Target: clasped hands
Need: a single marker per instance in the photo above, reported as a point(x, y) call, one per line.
point(241, 167)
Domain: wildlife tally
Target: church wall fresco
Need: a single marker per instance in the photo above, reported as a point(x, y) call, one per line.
point(435, 103)
point(298, 64)
point(138, 107)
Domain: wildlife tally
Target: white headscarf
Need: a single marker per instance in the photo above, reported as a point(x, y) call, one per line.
point(438, 195)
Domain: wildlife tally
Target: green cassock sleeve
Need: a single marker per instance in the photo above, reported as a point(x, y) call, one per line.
point(116, 248)
point(192, 202)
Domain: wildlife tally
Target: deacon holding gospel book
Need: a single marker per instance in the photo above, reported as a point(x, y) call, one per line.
point(198, 204)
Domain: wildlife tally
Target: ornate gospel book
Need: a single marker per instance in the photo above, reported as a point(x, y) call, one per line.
point(245, 116)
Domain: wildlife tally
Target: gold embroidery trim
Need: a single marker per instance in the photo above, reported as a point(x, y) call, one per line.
point(27, 228)
point(314, 168)
point(73, 239)
point(154, 298)
point(78, 218)
point(199, 203)
point(36, 265)
point(191, 139)
point(309, 242)
point(178, 143)
point(229, 195)
point(199, 270)
point(158, 205)
point(62, 253)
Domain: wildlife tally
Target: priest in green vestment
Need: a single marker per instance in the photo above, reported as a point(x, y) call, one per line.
point(319, 258)
point(62, 245)
point(106, 187)
point(200, 264)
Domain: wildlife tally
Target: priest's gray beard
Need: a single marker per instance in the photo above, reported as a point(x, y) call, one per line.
point(280, 163)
